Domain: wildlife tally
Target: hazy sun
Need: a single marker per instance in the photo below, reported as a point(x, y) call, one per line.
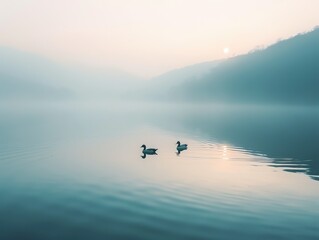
point(226, 50)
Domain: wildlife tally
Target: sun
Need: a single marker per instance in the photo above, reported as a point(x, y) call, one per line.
point(226, 50)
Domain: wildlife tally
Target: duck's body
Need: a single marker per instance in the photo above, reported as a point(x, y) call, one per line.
point(149, 150)
point(181, 147)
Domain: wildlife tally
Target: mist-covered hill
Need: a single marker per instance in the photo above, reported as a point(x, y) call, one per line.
point(178, 76)
point(29, 76)
point(163, 86)
point(286, 72)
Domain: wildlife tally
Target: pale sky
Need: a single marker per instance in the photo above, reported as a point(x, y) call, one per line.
point(149, 37)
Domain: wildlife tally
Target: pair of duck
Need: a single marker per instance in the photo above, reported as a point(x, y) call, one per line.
point(151, 151)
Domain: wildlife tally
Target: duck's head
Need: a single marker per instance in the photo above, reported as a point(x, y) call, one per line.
point(143, 146)
point(178, 143)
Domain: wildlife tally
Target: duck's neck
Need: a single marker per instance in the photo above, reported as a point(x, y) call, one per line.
point(178, 144)
point(144, 147)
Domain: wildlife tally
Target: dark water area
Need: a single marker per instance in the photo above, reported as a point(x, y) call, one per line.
point(78, 173)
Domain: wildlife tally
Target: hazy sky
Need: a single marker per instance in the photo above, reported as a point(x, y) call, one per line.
point(149, 37)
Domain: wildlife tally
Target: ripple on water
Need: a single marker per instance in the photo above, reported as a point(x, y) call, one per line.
point(42, 202)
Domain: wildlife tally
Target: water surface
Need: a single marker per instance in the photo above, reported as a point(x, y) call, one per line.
point(77, 173)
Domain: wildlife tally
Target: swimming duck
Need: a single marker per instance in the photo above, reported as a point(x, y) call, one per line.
point(181, 147)
point(148, 150)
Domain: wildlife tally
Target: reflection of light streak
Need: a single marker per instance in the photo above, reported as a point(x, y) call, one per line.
point(225, 152)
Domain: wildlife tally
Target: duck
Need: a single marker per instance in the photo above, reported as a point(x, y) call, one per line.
point(181, 147)
point(149, 150)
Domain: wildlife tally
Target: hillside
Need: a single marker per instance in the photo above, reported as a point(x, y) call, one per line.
point(25, 75)
point(178, 76)
point(28, 76)
point(286, 72)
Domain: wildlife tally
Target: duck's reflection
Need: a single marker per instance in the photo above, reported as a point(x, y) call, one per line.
point(145, 154)
point(180, 150)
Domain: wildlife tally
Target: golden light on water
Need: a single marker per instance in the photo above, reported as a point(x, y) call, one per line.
point(225, 155)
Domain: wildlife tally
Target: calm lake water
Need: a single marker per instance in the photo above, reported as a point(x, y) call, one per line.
point(77, 173)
